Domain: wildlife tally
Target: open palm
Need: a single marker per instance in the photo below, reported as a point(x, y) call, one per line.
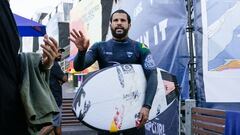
point(79, 39)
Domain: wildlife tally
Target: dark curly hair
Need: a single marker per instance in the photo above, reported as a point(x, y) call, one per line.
point(121, 11)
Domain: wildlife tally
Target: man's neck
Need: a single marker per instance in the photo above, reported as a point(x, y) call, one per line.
point(120, 39)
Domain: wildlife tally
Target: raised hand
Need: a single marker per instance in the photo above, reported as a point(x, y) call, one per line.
point(50, 51)
point(79, 39)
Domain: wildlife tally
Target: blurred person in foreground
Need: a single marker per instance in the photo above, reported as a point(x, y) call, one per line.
point(12, 115)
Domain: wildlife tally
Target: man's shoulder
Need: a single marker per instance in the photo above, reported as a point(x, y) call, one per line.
point(140, 44)
point(100, 43)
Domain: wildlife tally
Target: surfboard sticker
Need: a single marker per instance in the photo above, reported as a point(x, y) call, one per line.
point(81, 110)
point(111, 99)
point(120, 76)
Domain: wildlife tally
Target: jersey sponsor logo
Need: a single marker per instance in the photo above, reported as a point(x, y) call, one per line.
point(108, 53)
point(144, 46)
point(144, 49)
point(149, 62)
point(129, 54)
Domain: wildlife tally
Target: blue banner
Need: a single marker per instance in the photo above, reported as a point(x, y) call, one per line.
point(161, 25)
point(165, 124)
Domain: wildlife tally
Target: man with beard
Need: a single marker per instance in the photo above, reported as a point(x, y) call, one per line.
point(57, 78)
point(119, 50)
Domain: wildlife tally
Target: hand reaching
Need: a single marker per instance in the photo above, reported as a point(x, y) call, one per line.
point(80, 40)
point(49, 51)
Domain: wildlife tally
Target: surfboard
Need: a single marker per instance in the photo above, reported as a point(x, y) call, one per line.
point(111, 98)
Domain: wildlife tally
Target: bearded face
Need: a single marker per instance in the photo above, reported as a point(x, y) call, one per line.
point(119, 26)
point(119, 32)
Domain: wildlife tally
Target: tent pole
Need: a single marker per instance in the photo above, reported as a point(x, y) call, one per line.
point(191, 49)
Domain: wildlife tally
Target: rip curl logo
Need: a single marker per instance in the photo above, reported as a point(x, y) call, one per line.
point(155, 128)
point(149, 62)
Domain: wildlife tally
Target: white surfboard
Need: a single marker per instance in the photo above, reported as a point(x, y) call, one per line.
point(111, 99)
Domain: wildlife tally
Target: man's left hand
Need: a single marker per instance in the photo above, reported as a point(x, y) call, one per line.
point(143, 116)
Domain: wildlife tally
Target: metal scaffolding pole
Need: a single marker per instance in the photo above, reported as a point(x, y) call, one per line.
point(191, 49)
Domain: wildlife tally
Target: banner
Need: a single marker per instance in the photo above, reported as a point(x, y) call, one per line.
point(163, 124)
point(217, 45)
point(161, 25)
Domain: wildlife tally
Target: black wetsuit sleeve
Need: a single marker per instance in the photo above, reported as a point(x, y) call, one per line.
point(150, 72)
point(85, 59)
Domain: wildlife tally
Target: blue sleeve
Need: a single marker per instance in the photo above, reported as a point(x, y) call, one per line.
point(150, 72)
point(85, 59)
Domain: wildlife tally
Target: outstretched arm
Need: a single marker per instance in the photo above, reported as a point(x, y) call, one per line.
point(82, 43)
point(85, 59)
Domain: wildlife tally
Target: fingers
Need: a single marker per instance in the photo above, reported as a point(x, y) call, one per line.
point(48, 52)
point(79, 39)
point(73, 35)
point(86, 44)
point(71, 39)
point(81, 34)
point(51, 42)
point(143, 117)
point(143, 120)
point(46, 56)
point(76, 33)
